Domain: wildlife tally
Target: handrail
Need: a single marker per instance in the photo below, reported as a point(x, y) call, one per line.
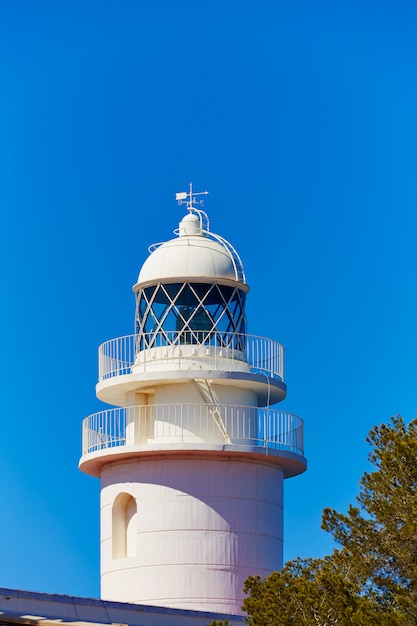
point(191, 425)
point(216, 349)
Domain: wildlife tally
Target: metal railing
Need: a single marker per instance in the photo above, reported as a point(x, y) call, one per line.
point(263, 356)
point(192, 425)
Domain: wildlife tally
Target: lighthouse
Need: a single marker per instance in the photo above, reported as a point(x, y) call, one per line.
point(192, 454)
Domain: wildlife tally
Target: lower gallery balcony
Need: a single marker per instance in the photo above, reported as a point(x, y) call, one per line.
point(193, 429)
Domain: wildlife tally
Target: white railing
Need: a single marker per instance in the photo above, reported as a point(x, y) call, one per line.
point(263, 356)
point(192, 425)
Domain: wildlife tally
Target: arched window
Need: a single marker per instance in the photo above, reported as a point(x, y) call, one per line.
point(124, 522)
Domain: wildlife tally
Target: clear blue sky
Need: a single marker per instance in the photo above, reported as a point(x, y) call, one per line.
point(300, 118)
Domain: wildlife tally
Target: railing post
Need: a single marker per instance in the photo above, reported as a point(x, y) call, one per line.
point(84, 437)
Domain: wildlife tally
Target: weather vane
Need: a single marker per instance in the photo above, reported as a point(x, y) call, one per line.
point(189, 198)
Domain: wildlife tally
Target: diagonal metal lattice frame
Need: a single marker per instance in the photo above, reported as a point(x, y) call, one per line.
point(197, 315)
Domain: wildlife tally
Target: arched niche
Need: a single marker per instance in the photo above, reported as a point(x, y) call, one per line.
point(124, 522)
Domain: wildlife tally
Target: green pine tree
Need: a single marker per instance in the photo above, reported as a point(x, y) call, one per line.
point(372, 579)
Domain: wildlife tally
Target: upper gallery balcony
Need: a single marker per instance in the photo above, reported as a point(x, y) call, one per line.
point(250, 360)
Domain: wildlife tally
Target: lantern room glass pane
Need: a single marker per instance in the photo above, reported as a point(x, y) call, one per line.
point(197, 313)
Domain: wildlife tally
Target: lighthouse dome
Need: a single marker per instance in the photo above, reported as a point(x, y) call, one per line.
point(196, 255)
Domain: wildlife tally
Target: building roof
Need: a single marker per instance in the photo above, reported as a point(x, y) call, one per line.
point(42, 609)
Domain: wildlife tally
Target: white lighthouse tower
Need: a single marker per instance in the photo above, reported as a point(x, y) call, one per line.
point(192, 461)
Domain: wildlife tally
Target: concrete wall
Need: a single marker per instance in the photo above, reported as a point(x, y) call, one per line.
point(202, 526)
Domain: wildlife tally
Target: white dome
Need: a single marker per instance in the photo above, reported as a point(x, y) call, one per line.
point(195, 255)
point(188, 257)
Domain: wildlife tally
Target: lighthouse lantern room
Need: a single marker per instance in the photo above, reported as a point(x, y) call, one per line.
point(192, 456)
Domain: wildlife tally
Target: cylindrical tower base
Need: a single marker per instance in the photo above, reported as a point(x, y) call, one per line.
point(185, 532)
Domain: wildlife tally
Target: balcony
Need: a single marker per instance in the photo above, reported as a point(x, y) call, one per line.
point(192, 427)
point(214, 350)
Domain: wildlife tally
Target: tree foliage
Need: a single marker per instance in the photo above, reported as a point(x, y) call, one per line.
point(324, 592)
point(380, 535)
point(372, 578)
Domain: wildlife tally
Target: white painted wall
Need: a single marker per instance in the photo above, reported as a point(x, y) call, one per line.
point(202, 526)
point(195, 392)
